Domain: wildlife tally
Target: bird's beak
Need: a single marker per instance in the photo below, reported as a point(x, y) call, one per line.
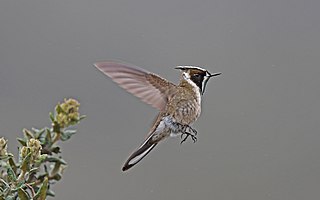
point(216, 74)
point(207, 79)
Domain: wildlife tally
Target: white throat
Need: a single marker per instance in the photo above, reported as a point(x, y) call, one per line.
point(196, 89)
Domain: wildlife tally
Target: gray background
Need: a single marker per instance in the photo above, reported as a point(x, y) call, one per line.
point(259, 131)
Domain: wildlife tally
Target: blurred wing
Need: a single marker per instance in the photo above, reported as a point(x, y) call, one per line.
point(149, 87)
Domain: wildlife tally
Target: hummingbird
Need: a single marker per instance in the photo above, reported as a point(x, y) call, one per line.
point(179, 105)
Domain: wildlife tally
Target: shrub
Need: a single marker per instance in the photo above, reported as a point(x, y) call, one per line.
point(40, 163)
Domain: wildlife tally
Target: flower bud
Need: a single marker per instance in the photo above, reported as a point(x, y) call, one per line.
point(67, 112)
point(3, 147)
point(24, 152)
point(35, 148)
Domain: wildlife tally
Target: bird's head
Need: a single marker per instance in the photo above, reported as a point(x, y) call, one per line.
point(199, 76)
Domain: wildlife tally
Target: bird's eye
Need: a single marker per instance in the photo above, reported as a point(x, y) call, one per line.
point(196, 75)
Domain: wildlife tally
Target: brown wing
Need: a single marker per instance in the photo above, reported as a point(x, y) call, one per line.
point(149, 87)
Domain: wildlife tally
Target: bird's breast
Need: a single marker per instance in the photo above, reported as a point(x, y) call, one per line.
point(187, 111)
point(185, 104)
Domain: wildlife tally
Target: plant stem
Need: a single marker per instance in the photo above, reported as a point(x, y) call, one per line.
point(56, 137)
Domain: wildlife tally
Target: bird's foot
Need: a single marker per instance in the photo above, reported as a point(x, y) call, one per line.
point(187, 131)
point(186, 135)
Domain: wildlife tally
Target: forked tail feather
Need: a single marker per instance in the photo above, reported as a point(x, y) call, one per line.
point(139, 154)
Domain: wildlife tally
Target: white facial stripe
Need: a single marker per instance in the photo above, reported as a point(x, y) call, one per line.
point(196, 88)
point(204, 82)
point(186, 75)
point(192, 67)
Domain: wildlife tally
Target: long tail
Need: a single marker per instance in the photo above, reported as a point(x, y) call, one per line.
point(140, 153)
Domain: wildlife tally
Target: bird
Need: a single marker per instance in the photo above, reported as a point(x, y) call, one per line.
point(179, 105)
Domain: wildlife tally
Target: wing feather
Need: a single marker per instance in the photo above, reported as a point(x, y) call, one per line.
point(149, 87)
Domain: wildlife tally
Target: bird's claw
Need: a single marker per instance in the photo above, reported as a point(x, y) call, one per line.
point(187, 131)
point(186, 128)
point(194, 131)
point(187, 134)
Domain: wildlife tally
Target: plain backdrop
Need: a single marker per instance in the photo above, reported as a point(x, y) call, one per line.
point(259, 131)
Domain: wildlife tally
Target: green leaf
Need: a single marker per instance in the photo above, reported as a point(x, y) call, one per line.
point(73, 122)
point(57, 177)
point(13, 164)
point(6, 157)
point(33, 170)
point(4, 183)
point(59, 109)
point(55, 150)
point(42, 176)
point(55, 169)
point(31, 174)
point(51, 116)
point(82, 117)
point(35, 130)
point(66, 135)
point(50, 193)
point(38, 132)
point(12, 197)
point(48, 137)
point(23, 194)
point(21, 184)
point(55, 127)
point(28, 134)
point(41, 158)
point(22, 141)
point(26, 162)
point(54, 159)
point(42, 192)
point(11, 175)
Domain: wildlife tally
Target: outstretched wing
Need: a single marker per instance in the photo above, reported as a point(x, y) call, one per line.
point(149, 87)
